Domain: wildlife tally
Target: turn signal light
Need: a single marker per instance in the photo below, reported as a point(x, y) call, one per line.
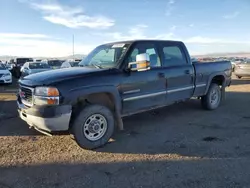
point(52, 101)
point(53, 92)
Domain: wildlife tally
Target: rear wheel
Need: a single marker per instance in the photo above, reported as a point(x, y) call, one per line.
point(93, 127)
point(213, 97)
point(239, 77)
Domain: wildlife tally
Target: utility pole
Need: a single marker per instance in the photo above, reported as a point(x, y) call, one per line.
point(73, 42)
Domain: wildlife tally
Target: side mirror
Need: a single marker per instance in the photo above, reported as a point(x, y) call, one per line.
point(142, 63)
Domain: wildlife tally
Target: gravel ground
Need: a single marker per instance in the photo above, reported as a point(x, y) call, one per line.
point(177, 146)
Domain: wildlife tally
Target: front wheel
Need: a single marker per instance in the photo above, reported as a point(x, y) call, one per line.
point(213, 98)
point(239, 77)
point(93, 127)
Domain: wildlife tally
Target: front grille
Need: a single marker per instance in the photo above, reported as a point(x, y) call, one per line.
point(26, 95)
point(1, 75)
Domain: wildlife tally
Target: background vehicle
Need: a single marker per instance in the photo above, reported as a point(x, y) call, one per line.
point(34, 67)
point(68, 64)
point(19, 62)
point(117, 80)
point(5, 75)
point(242, 69)
point(55, 64)
point(235, 62)
point(10, 66)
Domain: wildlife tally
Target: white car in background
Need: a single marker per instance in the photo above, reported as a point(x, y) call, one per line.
point(5, 75)
point(69, 64)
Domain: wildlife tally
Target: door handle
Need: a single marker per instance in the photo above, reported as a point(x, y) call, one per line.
point(187, 71)
point(161, 74)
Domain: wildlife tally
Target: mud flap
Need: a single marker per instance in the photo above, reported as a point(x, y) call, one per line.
point(223, 94)
point(119, 121)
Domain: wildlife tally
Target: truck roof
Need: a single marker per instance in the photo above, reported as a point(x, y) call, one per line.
point(142, 40)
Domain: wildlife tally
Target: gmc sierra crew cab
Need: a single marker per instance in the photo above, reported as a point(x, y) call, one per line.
point(116, 80)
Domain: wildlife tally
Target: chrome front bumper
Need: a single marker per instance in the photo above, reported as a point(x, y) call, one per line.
point(56, 123)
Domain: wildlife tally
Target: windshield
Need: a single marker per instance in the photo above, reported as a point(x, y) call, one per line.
point(105, 56)
point(39, 66)
point(2, 67)
point(55, 63)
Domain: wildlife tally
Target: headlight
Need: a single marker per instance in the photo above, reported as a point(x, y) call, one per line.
point(46, 96)
point(46, 91)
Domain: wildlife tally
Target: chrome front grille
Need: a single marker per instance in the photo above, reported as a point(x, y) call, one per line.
point(26, 95)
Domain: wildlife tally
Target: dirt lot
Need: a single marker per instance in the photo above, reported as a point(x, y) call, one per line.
point(177, 146)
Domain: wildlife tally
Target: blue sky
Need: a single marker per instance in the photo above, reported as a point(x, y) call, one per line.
point(45, 27)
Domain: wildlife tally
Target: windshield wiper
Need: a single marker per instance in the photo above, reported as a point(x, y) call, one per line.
point(96, 65)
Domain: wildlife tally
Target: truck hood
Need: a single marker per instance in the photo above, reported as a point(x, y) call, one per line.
point(32, 71)
point(53, 76)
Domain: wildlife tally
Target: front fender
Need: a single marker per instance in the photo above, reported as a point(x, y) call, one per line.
point(77, 93)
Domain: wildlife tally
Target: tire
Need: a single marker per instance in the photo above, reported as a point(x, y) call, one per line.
point(239, 77)
point(86, 123)
point(213, 98)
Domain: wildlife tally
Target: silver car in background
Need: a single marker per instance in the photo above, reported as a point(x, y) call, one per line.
point(34, 67)
point(55, 64)
point(69, 64)
point(235, 62)
point(242, 69)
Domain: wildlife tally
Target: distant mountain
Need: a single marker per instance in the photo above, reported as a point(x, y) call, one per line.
point(236, 54)
point(81, 56)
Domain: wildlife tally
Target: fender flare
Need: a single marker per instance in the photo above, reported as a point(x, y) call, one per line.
point(211, 76)
point(76, 93)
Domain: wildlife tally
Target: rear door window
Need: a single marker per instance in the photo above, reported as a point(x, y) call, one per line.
point(173, 56)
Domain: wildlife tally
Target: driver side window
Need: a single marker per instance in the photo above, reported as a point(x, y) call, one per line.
point(145, 48)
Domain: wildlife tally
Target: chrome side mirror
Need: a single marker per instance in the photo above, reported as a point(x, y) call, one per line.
point(142, 63)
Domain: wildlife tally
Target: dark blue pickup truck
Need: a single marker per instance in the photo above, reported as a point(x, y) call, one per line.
point(116, 80)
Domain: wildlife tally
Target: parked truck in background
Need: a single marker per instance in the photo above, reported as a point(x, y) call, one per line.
point(117, 80)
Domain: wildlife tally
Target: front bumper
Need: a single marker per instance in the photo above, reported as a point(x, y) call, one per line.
point(6, 79)
point(49, 118)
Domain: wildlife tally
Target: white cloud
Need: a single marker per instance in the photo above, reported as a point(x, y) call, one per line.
point(136, 32)
point(21, 35)
point(173, 28)
point(169, 7)
point(201, 40)
point(191, 25)
point(167, 36)
point(71, 17)
point(207, 40)
point(231, 16)
point(171, 2)
point(32, 45)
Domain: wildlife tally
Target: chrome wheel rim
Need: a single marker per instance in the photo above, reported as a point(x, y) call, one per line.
point(95, 127)
point(214, 97)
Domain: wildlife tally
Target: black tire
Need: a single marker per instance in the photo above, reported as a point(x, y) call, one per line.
point(78, 126)
point(239, 77)
point(206, 100)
